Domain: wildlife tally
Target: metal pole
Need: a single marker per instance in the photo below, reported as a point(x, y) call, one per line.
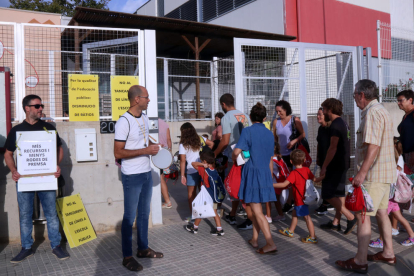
point(341, 87)
point(379, 60)
point(360, 62)
point(368, 53)
point(288, 74)
point(166, 91)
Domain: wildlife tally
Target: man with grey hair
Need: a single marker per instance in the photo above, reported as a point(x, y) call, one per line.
point(133, 146)
point(376, 170)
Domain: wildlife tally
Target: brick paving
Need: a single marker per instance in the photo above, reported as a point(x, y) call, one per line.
point(201, 254)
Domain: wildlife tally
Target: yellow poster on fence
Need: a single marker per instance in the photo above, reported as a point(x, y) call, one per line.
point(75, 221)
point(119, 91)
point(83, 97)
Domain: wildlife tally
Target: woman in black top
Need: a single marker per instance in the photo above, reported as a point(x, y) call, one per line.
point(406, 127)
point(323, 140)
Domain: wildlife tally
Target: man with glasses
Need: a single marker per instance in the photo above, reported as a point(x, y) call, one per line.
point(376, 171)
point(133, 146)
point(33, 108)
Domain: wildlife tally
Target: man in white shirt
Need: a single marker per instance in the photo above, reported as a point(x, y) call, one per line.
point(133, 146)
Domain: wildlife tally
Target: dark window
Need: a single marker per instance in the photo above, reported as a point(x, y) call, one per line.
point(187, 11)
point(209, 10)
point(225, 6)
point(214, 8)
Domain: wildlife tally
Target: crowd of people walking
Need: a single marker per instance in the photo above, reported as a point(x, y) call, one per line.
point(278, 160)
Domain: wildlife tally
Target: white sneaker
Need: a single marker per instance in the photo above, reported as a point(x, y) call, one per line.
point(395, 232)
point(269, 220)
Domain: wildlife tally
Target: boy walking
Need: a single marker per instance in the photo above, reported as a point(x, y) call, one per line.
point(214, 186)
point(298, 179)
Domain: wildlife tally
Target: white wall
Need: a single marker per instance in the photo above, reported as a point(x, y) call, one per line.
point(170, 5)
point(148, 9)
point(261, 15)
point(378, 5)
point(402, 17)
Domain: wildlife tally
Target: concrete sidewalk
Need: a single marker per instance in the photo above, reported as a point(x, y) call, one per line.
point(204, 254)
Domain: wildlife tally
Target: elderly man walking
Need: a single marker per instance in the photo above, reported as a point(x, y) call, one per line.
point(376, 171)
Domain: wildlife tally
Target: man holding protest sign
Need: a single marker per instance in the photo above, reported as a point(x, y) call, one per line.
point(133, 146)
point(33, 108)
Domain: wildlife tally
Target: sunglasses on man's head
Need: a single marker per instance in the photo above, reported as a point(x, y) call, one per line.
point(37, 106)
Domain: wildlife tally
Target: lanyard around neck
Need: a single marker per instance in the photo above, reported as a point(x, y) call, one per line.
point(142, 129)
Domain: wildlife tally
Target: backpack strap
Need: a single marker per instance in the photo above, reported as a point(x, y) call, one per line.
point(129, 128)
point(295, 186)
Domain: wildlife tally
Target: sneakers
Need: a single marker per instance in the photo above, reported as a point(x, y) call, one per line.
point(330, 207)
point(216, 232)
point(189, 219)
point(376, 244)
point(269, 219)
point(322, 210)
point(60, 253)
point(308, 239)
point(241, 212)
point(330, 226)
point(350, 225)
point(230, 219)
point(278, 218)
point(246, 225)
point(408, 242)
point(286, 232)
point(24, 254)
point(395, 232)
point(287, 208)
point(190, 228)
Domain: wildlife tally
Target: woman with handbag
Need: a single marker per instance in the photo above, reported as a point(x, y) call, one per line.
point(288, 132)
point(256, 186)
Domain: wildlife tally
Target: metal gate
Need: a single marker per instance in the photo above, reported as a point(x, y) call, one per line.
point(42, 56)
point(303, 74)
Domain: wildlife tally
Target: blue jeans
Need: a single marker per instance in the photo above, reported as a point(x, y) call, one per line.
point(137, 197)
point(48, 201)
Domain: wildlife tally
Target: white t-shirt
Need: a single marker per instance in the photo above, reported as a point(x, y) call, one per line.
point(400, 162)
point(129, 131)
point(190, 156)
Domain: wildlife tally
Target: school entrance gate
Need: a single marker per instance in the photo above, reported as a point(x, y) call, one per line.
point(304, 74)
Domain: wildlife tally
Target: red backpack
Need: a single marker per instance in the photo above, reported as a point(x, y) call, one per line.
point(355, 201)
point(283, 170)
point(233, 180)
point(308, 160)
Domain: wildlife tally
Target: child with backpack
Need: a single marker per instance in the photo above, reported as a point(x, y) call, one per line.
point(214, 186)
point(189, 149)
point(280, 173)
point(297, 178)
point(393, 207)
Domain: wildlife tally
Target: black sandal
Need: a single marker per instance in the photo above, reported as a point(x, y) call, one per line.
point(132, 264)
point(149, 253)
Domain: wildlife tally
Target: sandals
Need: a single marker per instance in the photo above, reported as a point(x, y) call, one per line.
point(350, 265)
point(271, 252)
point(149, 253)
point(166, 205)
point(378, 258)
point(131, 264)
point(286, 232)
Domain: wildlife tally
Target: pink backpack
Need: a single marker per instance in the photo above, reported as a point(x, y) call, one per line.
point(403, 192)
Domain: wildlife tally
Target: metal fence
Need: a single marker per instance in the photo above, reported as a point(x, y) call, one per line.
point(396, 59)
point(49, 53)
point(177, 89)
point(301, 73)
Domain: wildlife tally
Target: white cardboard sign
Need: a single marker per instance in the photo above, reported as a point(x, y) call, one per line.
point(36, 154)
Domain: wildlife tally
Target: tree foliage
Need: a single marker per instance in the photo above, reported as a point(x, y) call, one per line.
point(66, 8)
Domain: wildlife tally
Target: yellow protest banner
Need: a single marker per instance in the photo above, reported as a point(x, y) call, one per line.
point(83, 97)
point(119, 94)
point(76, 224)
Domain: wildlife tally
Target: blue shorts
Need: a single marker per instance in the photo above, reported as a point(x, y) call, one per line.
point(302, 210)
point(193, 179)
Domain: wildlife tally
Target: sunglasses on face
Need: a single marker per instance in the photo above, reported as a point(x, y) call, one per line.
point(37, 106)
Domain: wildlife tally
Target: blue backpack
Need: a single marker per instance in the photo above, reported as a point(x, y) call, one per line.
point(216, 189)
